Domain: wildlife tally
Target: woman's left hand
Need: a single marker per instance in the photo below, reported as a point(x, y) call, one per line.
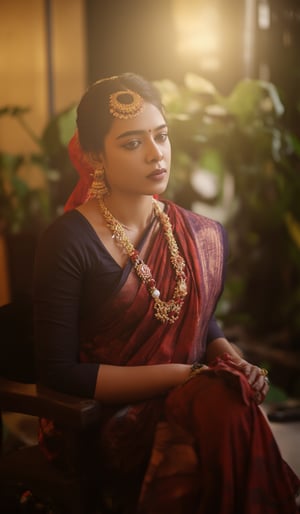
point(257, 378)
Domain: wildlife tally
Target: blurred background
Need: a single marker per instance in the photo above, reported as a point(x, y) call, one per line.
point(229, 74)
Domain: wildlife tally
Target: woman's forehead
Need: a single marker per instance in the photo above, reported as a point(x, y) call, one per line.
point(149, 120)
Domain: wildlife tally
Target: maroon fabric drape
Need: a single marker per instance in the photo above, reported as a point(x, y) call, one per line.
point(215, 453)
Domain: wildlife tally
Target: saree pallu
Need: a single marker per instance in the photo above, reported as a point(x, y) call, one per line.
point(214, 452)
point(202, 432)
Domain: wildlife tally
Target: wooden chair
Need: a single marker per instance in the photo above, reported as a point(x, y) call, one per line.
point(73, 488)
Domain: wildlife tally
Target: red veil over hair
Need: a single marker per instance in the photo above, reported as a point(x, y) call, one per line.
point(81, 163)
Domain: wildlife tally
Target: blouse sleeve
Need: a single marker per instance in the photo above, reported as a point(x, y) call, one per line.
point(59, 271)
point(214, 329)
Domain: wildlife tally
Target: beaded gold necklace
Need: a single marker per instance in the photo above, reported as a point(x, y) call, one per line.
point(165, 311)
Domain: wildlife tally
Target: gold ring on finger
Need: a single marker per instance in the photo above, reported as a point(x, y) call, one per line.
point(264, 372)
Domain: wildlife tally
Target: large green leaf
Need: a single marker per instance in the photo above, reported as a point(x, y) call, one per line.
point(254, 100)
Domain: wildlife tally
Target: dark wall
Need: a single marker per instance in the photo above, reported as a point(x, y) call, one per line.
point(139, 36)
point(131, 35)
point(279, 48)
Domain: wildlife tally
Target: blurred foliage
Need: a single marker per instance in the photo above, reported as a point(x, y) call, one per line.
point(33, 186)
point(241, 144)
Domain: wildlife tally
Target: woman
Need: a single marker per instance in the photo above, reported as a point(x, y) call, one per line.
point(125, 291)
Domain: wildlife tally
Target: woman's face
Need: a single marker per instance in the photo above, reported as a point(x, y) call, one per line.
point(137, 154)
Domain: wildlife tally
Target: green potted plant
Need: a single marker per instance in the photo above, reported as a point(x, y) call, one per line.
point(234, 159)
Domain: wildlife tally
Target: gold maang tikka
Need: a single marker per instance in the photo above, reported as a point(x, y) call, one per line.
point(125, 104)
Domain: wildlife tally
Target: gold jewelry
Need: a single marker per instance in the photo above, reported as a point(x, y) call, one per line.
point(125, 104)
point(264, 372)
point(196, 369)
point(165, 311)
point(98, 188)
point(196, 366)
point(105, 79)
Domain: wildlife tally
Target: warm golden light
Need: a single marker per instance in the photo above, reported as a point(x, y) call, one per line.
point(198, 29)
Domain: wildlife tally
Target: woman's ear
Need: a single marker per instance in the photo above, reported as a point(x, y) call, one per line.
point(96, 159)
point(100, 159)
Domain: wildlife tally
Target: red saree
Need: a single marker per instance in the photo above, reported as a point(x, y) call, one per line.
point(215, 453)
point(206, 447)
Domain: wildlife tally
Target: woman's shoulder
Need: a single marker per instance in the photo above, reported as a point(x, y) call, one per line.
point(68, 235)
point(194, 217)
point(197, 224)
point(71, 224)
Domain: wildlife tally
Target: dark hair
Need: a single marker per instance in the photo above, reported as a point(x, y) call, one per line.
point(93, 117)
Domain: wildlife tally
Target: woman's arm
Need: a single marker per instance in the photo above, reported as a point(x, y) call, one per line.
point(221, 345)
point(123, 384)
point(60, 264)
point(116, 384)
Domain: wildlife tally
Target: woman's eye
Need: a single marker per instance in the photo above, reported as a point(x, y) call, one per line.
point(162, 137)
point(131, 145)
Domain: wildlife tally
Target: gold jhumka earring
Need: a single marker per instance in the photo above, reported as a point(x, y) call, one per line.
point(98, 187)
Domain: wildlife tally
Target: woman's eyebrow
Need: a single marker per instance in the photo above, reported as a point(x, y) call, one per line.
point(140, 132)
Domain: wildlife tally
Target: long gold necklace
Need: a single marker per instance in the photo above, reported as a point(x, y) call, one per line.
point(165, 311)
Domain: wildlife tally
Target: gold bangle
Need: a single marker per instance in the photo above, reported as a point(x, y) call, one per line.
point(196, 365)
point(196, 368)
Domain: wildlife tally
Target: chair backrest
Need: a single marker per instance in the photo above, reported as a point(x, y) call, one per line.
point(16, 340)
point(73, 488)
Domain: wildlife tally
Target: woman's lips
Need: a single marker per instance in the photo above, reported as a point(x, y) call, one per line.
point(157, 174)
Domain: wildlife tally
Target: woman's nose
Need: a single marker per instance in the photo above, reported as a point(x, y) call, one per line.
point(154, 152)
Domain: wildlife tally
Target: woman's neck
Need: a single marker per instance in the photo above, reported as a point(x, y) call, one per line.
point(132, 213)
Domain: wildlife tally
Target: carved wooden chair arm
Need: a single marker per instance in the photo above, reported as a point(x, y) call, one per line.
point(69, 411)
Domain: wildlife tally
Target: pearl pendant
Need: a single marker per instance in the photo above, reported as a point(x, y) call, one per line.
point(155, 293)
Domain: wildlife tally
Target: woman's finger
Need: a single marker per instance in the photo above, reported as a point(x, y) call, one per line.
point(258, 382)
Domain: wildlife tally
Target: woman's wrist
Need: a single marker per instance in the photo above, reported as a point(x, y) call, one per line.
point(222, 346)
point(195, 369)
